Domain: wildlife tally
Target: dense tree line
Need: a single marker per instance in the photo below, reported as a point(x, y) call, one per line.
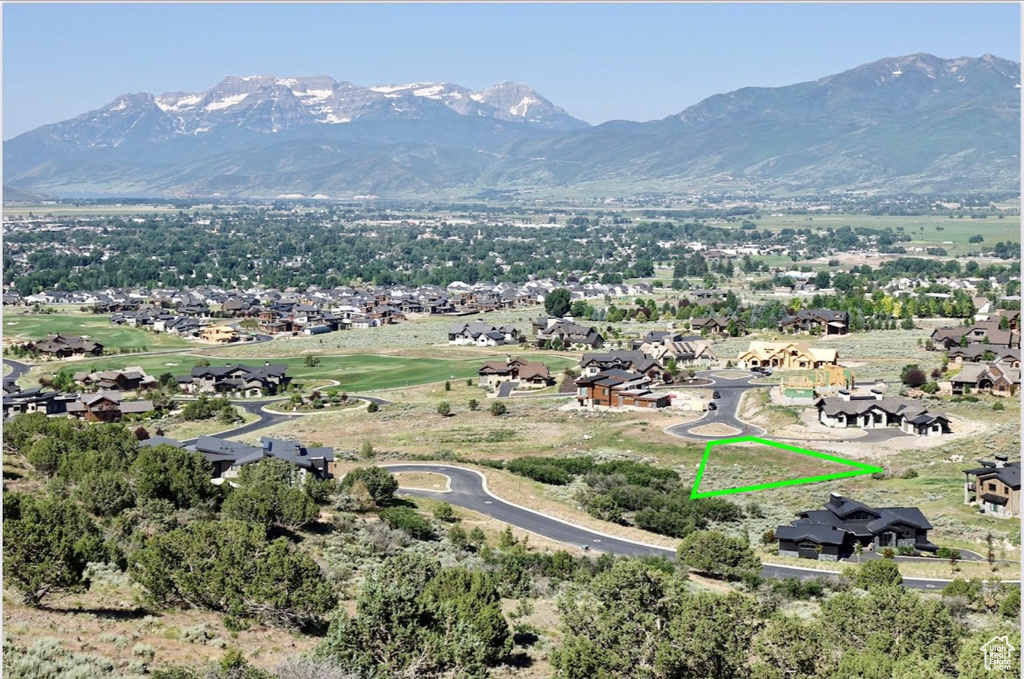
point(339, 247)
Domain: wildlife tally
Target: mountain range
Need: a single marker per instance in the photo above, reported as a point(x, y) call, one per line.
point(917, 123)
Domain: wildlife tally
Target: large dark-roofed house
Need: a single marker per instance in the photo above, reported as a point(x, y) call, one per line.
point(831, 533)
point(823, 321)
point(635, 361)
point(242, 379)
point(571, 334)
point(618, 389)
point(228, 457)
point(62, 346)
point(106, 406)
point(878, 411)
point(529, 374)
point(995, 488)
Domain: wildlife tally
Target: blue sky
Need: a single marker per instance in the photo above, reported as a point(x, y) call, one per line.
point(598, 61)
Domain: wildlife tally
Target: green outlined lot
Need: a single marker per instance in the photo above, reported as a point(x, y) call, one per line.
point(858, 468)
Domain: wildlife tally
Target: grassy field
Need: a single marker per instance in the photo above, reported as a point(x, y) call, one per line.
point(937, 230)
point(743, 464)
point(21, 326)
point(354, 372)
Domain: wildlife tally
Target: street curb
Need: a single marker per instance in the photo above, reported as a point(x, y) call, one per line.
point(614, 537)
point(527, 509)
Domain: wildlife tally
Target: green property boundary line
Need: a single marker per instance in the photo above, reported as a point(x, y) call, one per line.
point(860, 468)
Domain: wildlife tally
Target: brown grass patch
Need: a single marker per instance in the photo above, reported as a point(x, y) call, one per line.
point(423, 480)
point(715, 429)
point(87, 624)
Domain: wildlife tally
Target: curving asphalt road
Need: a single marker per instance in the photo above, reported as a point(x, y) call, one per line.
point(17, 369)
point(256, 408)
point(468, 488)
point(732, 390)
point(269, 419)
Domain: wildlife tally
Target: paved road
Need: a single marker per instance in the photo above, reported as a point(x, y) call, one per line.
point(732, 390)
point(256, 408)
point(269, 419)
point(468, 489)
point(17, 369)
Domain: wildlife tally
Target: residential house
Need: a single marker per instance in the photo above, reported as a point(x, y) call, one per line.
point(876, 411)
point(220, 334)
point(633, 361)
point(831, 533)
point(787, 355)
point(712, 295)
point(687, 353)
point(106, 406)
point(235, 308)
point(1012, 316)
point(619, 389)
point(126, 379)
point(528, 374)
point(995, 487)
point(242, 379)
point(817, 321)
point(228, 457)
point(997, 378)
point(985, 332)
point(656, 337)
point(978, 353)
point(63, 346)
point(482, 334)
point(17, 401)
point(717, 325)
point(572, 335)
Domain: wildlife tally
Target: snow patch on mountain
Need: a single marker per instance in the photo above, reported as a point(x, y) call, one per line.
point(227, 102)
point(314, 95)
point(522, 107)
point(431, 92)
point(387, 89)
point(172, 104)
point(334, 119)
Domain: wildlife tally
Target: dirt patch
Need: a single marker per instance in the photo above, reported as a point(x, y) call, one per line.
point(423, 481)
point(715, 429)
point(713, 585)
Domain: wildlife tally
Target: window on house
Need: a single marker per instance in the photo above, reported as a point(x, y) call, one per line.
point(992, 486)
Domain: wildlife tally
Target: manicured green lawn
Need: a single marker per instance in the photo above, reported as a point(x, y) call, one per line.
point(97, 327)
point(355, 372)
point(367, 372)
